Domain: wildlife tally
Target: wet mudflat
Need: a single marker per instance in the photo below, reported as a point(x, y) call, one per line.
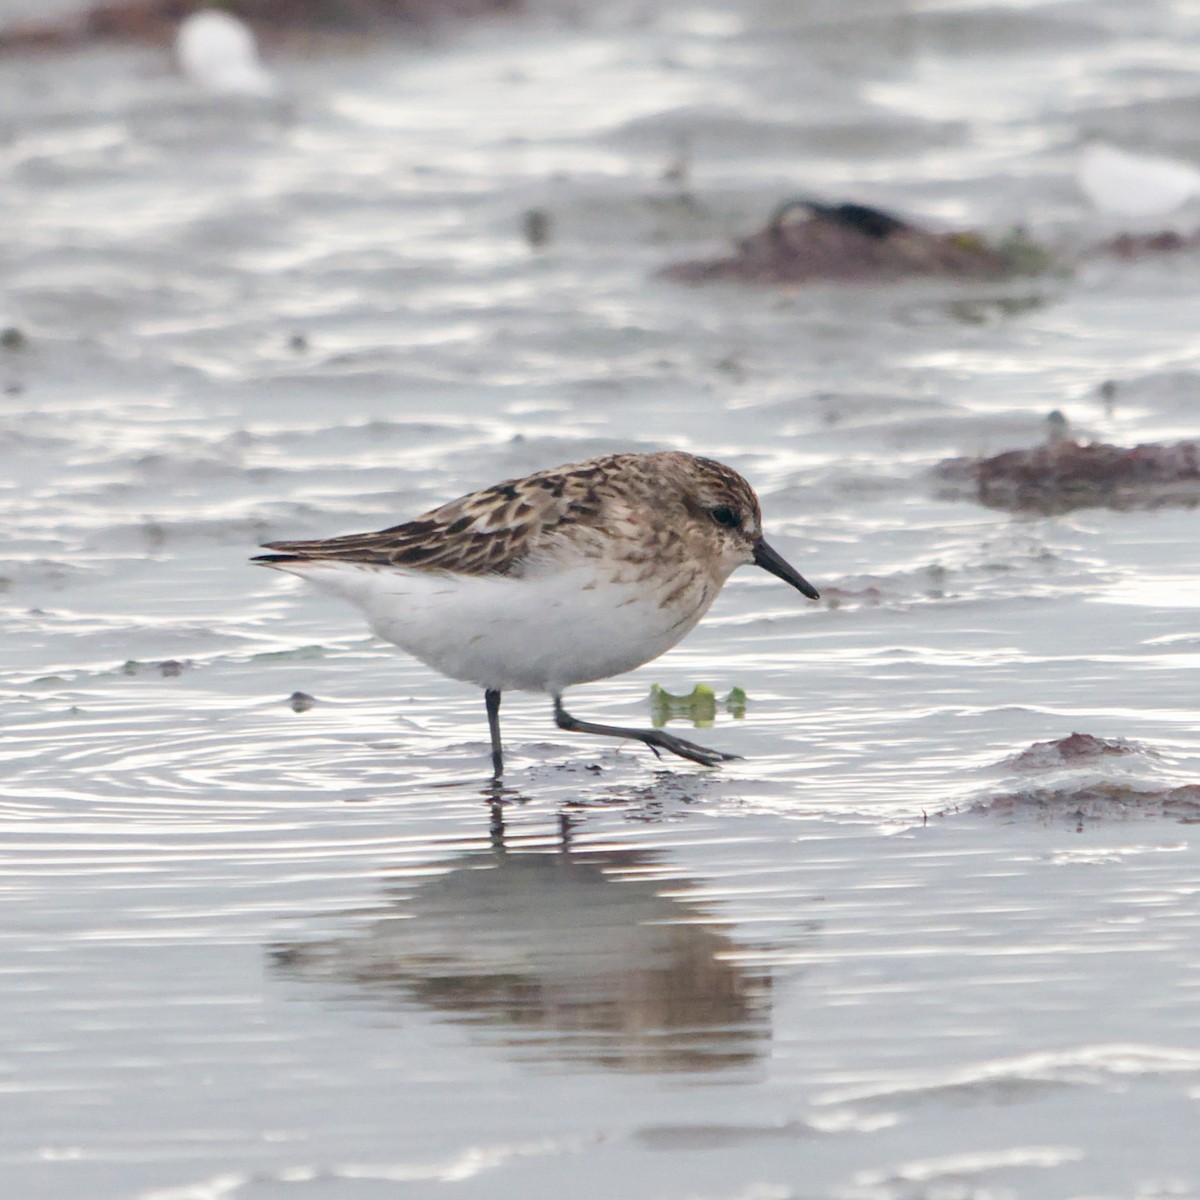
point(258, 949)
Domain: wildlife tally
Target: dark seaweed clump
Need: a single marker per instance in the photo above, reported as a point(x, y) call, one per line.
point(807, 242)
point(1064, 474)
point(1132, 246)
point(1094, 778)
point(1074, 750)
point(1095, 801)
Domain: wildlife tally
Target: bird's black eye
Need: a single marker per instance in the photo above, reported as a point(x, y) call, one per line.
point(729, 517)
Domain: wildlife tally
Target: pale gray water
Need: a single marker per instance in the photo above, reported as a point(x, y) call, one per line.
point(253, 954)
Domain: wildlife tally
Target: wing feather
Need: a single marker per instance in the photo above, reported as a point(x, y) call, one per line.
point(489, 532)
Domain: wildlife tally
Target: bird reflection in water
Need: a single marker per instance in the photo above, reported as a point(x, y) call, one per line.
point(562, 954)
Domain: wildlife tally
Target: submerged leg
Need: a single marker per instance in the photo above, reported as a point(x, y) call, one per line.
point(492, 700)
point(496, 825)
point(656, 739)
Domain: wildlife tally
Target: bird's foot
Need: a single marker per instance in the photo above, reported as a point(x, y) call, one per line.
point(703, 755)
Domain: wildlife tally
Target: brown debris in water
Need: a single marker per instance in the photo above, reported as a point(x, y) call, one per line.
point(1063, 474)
point(1132, 246)
point(170, 668)
point(1097, 800)
point(1080, 791)
point(157, 20)
point(1070, 751)
point(805, 242)
point(835, 597)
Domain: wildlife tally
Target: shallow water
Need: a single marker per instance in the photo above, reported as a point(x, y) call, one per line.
point(254, 953)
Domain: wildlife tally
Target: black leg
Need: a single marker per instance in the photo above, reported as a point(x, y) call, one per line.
point(656, 739)
point(492, 700)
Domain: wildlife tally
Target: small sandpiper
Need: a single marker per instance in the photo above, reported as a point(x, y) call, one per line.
point(566, 576)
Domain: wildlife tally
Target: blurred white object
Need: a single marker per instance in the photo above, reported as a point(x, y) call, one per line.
point(1135, 185)
point(217, 51)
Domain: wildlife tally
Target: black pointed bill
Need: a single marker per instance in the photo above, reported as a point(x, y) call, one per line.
point(766, 558)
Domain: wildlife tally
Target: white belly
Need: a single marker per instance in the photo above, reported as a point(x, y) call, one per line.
point(535, 634)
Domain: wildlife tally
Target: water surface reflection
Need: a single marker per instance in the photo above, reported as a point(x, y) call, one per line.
point(577, 955)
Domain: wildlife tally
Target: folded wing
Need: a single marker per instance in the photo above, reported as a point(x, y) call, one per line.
point(490, 532)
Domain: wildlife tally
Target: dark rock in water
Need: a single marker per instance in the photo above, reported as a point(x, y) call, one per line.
point(806, 241)
point(157, 20)
point(1064, 474)
point(300, 702)
point(172, 668)
point(11, 338)
point(1077, 749)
